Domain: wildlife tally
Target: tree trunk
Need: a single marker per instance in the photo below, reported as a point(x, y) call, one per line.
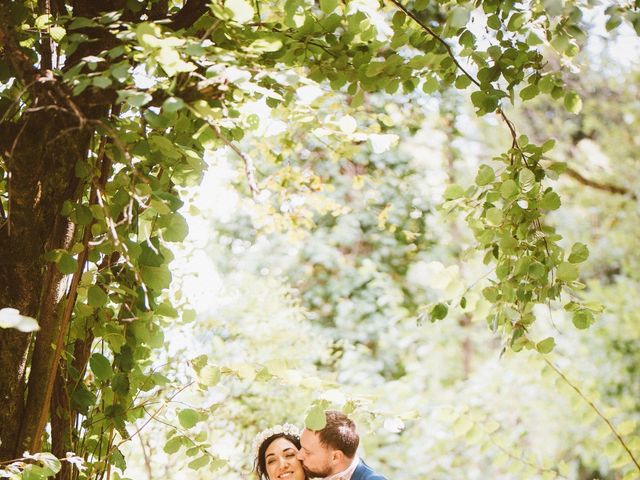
point(40, 158)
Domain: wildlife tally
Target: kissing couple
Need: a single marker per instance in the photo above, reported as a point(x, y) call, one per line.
point(283, 453)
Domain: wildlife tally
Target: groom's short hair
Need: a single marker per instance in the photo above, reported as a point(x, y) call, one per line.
point(339, 433)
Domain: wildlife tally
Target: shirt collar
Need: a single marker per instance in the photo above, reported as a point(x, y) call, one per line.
point(347, 473)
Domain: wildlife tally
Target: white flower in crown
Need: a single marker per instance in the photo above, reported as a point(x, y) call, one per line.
point(287, 429)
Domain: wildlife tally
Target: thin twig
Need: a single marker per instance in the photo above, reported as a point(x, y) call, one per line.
point(249, 168)
point(595, 409)
point(154, 415)
point(438, 38)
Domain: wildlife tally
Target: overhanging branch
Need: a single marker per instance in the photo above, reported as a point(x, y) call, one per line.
point(605, 187)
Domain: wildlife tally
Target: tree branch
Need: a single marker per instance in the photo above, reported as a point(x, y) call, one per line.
point(46, 51)
point(438, 38)
point(595, 409)
point(605, 187)
point(187, 16)
point(249, 169)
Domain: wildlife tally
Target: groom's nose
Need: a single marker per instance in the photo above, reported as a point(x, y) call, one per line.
point(300, 455)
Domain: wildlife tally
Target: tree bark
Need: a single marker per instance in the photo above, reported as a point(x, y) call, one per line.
point(41, 161)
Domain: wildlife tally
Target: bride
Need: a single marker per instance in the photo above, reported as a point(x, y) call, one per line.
point(276, 449)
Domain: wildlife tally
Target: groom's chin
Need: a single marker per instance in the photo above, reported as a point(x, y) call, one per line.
point(312, 474)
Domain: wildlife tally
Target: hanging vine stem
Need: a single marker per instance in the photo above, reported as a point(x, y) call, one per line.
point(438, 38)
point(595, 409)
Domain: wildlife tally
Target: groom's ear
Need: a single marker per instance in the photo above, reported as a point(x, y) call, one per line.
point(337, 456)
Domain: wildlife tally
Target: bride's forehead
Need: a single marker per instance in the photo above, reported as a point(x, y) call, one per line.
point(280, 444)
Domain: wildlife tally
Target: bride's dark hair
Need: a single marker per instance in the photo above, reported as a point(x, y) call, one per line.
point(260, 464)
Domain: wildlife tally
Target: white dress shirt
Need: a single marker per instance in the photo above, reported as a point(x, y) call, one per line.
point(347, 473)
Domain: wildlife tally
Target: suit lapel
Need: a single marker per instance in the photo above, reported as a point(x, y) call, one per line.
point(359, 472)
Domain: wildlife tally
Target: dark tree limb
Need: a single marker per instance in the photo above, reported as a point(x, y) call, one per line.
point(61, 422)
point(46, 50)
point(187, 16)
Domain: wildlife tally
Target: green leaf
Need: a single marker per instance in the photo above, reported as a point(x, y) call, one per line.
point(102, 81)
point(579, 253)
point(199, 462)
point(516, 22)
point(491, 294)
point(81, 22)
point(526, 178)
point(509, 189)
point(101, 366)
point(546, 345)
point(485, 175)
point(67, 264)
point(397, 20)
point(494, 216)
point(316, 419)
point(537, 270)
point(120, 383)
point(583, 319)
point(209, 375)
point(157, 278)
point(82, 398)
point(548, 145)
point(462, 82)
point(42, 21)
point(438, 312)
point(50, 462)
point(120, 71)
point(458, 17)
point(175, 228)
point(493, 22)
point(546, 84)
point(188, 417)
point(173, 445)
point(57, 33)
point(550, 201)
point(172, 104)
point(421, 4)
point(83, 215)
point(567, 272)
point(529, 92)
point(453, 191)
point(573, 102)
point(430, 84)
point(135, 99)
point(96, 296)
point(241, 10)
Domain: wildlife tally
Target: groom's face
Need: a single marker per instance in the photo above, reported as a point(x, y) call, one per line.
point(316, 458)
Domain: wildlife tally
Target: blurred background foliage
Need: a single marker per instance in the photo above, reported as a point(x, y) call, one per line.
point(317, 290)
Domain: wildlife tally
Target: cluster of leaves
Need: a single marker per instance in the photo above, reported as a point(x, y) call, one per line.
point(531, 267)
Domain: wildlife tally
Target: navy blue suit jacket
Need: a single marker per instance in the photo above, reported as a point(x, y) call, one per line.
point(364, 472)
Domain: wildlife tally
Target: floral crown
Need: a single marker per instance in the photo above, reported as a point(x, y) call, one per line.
point(287, 429)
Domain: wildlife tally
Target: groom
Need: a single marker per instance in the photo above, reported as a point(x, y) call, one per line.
point(330, 453)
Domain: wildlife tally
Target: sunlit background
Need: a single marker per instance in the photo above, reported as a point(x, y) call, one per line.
point(319, 293)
